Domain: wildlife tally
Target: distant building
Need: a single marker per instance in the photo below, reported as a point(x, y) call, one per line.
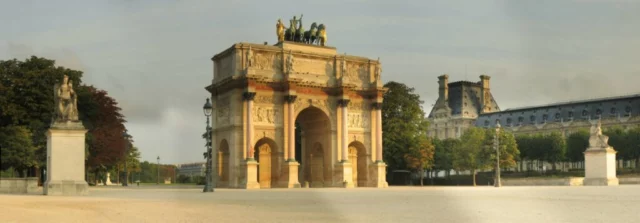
point(192, 169)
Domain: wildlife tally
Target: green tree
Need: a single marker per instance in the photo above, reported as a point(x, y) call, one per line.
point(509, 152)
point(555, 148)
point(472, 153)
point(27, 96)
point(420, 158)
point(577, 143)
point(403, 121)
point(443, 157)
point(16, 149)
point(633, 152)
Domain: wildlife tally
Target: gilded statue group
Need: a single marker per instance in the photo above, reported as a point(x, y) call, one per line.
point(316, 35)
point(66, 102)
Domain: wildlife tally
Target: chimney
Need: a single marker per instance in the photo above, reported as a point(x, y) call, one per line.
point(486, 94)
point(443, 92)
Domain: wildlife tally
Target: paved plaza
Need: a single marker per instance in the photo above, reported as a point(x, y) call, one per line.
point(395, 204)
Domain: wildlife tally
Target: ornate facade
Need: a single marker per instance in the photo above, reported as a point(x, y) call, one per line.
point(264, 95)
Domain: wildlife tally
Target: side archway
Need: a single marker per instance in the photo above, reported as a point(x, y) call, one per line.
point(266, 152)
point(223, 164)
point(358, 159)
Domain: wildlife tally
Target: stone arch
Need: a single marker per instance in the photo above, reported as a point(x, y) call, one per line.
point(358, 158)
point(223, 164)
point(316, 169)
point(324, 105)
point(313, 140)
point(266, 154)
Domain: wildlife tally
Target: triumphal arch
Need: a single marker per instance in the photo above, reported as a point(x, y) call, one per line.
point(295, 114)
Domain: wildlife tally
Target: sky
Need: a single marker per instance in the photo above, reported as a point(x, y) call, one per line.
point(154, 56)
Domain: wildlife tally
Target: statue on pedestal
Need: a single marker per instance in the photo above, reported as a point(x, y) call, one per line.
point(66, 102)
point(280, 30)
point(597, 139)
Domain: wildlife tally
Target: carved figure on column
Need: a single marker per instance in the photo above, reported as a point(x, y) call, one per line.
point(378, 70)
point(66, 102)
point(249, 58)
point(289, 65)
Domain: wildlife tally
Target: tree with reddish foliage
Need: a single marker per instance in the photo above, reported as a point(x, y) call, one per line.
point(101, 116)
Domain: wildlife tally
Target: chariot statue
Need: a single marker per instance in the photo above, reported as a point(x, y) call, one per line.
point(316, 35)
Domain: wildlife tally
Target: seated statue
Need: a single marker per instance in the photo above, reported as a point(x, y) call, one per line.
point(597, 139)
point(66, 102)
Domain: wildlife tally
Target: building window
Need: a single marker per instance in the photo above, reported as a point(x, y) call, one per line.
point(508, 123)
point(613, 111)
point(520, 119)
point(570, 114)
point(545, 117)
point(486, 123)
point(598, 112)
point(628, 109)
point(532, 118)
point(585, 113)
point(557, 115)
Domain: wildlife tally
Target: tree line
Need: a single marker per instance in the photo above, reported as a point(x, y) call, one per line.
point(26, 110)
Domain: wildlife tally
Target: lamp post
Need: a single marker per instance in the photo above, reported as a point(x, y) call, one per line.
point(208, 186)
point(497, 183)
point(158, 171)
point(126, 137)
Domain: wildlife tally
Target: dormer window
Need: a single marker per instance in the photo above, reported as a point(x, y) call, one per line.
point(532, 118)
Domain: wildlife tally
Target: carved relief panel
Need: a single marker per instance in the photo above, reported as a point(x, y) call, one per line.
point(268, 61)
point(223, 111)
point(358, 120)
point(357, 72)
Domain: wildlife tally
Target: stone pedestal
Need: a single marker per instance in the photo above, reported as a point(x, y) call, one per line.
point(344, 173)
point(380, 175)
point(251, 172)
point(600, 167)
point(65, 161)
point(292, 174)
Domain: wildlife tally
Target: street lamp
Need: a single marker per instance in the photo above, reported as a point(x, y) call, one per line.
point(158, 171)
point(497, 183)
point(208, 186)
point(126, 137)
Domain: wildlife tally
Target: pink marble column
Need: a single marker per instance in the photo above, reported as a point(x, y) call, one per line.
point(290, 99)
point(248, 97)
point(378, 107)
point(345, 132)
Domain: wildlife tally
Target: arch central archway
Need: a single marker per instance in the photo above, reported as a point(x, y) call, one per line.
point(313, 140)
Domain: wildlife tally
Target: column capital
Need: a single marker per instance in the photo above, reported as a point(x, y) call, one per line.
point(248, 96)
point(343, 102)
point(376, 105)
point(290, 98)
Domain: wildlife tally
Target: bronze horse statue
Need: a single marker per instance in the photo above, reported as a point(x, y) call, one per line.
point(316, 35)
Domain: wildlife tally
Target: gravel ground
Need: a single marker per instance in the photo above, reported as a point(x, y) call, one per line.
point(395, 204)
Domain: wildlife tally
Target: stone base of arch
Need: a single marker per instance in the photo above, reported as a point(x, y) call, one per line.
point(344, 175)
point(250, 168)
point(290, 173)
point(379, 170)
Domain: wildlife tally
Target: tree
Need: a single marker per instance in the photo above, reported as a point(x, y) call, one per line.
point(472, 153)
point(16, 149)
point(555, 149)
point(27, 96)
point(403, 120)
point(577, 143)
point(420, 158)
point(443, 157)
point(508, 146)
point(524, 146)
point(633, 152)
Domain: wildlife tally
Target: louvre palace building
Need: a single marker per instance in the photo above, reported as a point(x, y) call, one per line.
point(463, 104)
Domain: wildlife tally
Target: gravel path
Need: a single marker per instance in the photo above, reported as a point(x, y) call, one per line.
point(395, 204)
